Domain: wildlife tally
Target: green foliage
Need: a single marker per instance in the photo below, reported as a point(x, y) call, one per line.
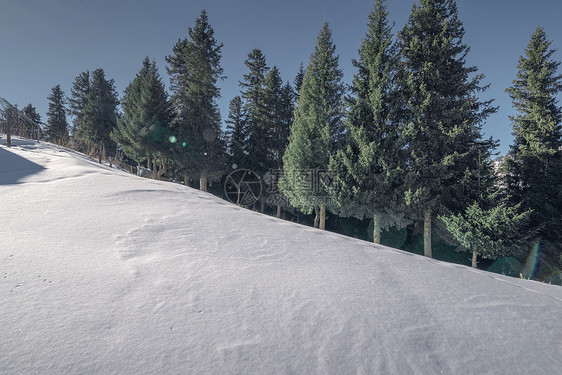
point(299, 80)
point(79, 99)
point(442, 116)
point(255, 113)
point(144, 128)
point(368, 176)
point(194, 69)
point(31, 112)
point(236, 132)
point(533, 168)
point(317, 126)
point(491, 232)
point(57, 126)
point(99, 116)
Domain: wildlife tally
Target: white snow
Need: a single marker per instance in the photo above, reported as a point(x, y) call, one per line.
point(102, 272)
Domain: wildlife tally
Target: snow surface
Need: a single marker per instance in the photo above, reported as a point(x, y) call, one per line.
point(102, 272)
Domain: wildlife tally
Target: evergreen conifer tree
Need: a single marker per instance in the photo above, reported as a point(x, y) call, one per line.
point(99, 116)
point(56, 130)
point(368, 176)
point(255, 116)
point(78, 99)
point(316, 130)
point(31, 112)
point(298, 80)
point(442, 116)
point(194, 69)
point(533, 167)
point(144, 128)
point(236, 132)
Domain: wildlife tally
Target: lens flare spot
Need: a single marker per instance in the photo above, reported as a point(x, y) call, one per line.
point(205, 153)
point(184, 144)
point(173, 139)
point(530, 268)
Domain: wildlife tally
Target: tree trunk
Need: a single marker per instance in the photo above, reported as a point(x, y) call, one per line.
point(377, 228)
point(427, 234)
point(262, 207)
point(101, 152)
point(278, 210)
point(322, 217)
point(316, 218)
point(185, 181)
point(474, 259)
point(203, 183)
point(158, 172)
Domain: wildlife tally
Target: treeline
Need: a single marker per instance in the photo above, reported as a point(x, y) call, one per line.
point(402, 145)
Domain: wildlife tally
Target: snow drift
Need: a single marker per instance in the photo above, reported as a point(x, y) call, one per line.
point(102, 272)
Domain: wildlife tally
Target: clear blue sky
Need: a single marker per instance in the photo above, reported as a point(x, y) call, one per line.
point(45, 43)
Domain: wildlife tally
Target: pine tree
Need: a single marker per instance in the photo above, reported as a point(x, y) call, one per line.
point(144, 128)
point(78, 99)
point(99, 116)
point(278, 107)
point(255, 116)
point(236, 133)
point(488, 232)
point(368, 176)
point(298, 80)
point(316, 130)
point(194, 69)
point(534, 164)
point(56, 130)
point(442, 116)
point(31, 112)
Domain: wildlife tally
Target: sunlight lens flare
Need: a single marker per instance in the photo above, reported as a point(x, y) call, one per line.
point(172, 139)
point(530, 268)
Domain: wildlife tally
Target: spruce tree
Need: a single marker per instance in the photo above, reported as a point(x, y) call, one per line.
point(368, 176)
point(194, 69)
point(144, 128)
point(236, 133)
point(56, 130)
point(278, 99)
point(442, 117)
point(298, 80)
point(316, 130)
point(31, 112)
point(78, 99)
point(489, 227)
point(99, 116)
point(252, 88)
point(533, 167)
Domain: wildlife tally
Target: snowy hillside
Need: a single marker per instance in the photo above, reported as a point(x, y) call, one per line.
point(102, 272)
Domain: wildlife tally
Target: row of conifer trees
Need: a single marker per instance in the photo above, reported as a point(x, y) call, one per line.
point(403, 144)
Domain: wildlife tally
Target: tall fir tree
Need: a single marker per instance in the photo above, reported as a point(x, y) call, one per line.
point(368, 174)
point(252, 89)
point(298, 80)
point(236, 133)
point(194, 69)
point(99, 116)
point(56, 130)
point(533, 167)
point(78, 99)
point(144, 128)
point(442, 115)
point(316, 130)
point(31, 112)
point(278, 99)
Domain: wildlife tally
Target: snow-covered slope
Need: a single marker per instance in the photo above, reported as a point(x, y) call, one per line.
point(102, 272)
